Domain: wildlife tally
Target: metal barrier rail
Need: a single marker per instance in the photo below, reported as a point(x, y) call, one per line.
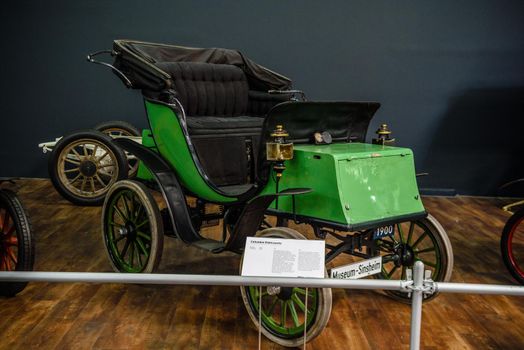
point(417, 286)
point(210, 280)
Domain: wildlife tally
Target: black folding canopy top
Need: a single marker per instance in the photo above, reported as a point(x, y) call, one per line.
point(137, 60)
point(345, 121)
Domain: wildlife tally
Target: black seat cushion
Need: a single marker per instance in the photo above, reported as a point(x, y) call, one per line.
point(206, 89)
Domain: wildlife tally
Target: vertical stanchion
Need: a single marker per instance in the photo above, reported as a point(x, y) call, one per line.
point(416, 304)
point(305, 319)
point(259, 317)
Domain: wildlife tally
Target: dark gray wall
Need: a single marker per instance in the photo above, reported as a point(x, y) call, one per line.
point(449, 74)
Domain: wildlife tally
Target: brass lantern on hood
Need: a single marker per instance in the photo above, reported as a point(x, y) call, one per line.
point(279, 150)
point(383, 136)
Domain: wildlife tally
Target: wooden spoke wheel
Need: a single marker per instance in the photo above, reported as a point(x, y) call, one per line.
point(84, 165)
point(118, 128)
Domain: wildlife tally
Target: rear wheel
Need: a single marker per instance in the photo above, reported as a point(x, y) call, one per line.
point(16, 243)
point(84, 165)
point(512, 245)
point(283, 308)
point(119, 128)
point(424, 240)
point(132, 228)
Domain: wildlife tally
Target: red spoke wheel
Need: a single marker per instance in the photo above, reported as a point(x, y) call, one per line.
point(16, 243)
point(512, 245)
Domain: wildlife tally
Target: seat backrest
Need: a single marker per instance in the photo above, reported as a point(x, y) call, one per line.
point(261, 102)
point(207, 89)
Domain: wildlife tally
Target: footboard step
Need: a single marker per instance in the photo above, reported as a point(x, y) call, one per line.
point(209, 245)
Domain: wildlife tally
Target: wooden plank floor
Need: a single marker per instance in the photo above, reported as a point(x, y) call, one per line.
point(86, 316)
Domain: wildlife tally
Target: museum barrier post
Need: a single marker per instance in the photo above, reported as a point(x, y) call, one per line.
point(416, 304)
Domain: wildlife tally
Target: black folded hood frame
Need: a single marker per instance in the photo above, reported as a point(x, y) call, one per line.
point(137, 60)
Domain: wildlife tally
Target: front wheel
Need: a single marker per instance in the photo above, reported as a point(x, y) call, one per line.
point(16, 241)
point(512, 245)
point(132, 228)
point(283, 308)
point(424, 240)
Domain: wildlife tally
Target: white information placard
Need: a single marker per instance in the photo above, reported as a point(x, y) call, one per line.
point(277, 257)
point(358, 270)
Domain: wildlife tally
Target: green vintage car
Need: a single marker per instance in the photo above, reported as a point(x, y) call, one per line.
point(234, 136)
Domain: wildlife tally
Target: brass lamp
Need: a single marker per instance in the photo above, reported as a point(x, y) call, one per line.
point(278, 150)
point(384, 136)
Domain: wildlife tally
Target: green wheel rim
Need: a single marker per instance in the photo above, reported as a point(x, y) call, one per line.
point(418, 237)
point(284, 317)
point(128, 233)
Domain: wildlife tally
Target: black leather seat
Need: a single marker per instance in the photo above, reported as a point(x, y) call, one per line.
point(214, 96)
point(224, 118)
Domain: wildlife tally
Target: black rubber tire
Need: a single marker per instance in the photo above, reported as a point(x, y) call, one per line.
point(116, 154)
point(105, 127)
point(506, 243)
point(125, 129)
point(26, 246)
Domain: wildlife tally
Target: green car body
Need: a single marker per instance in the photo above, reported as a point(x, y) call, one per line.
point(354, 185)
